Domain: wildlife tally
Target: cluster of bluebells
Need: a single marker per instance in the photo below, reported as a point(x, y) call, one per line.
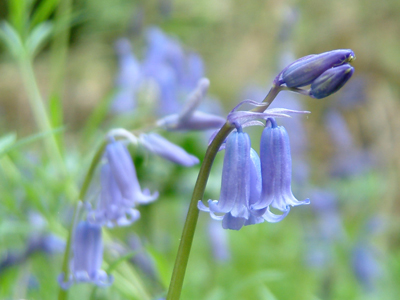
point(251, 185)
point(116, 205)
point(166, 67)
point(120, 191)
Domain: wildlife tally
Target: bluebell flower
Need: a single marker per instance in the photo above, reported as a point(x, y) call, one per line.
point(232, 206)
point(189, 118)
point(162, 147)
point(219, 242)
point(366, 266)
point(120, 190)
point(276, 172)
point(87, 257)
point(128, 78)
point(111, 209)
point(124, 173)
point(348, 159)
point(240, 184)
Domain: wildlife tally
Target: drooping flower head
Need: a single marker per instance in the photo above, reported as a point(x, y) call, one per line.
point(160, 146)
point(120, 190)
point(232, 206)
point(87, 257)
point(276, 171)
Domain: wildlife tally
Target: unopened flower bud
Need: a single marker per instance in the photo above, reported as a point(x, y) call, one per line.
point(306, 69)
point(331, 81)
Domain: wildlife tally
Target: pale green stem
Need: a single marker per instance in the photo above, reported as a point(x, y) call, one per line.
point(39, 111)
point(189, 228)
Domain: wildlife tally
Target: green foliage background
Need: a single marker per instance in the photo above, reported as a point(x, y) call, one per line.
point(57, 60)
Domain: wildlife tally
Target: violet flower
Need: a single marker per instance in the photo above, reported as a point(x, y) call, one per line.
point(111, 209)
point(120, 190)
point(232, 206)
point(124, 173)
point(160, 146)
point(240, 184)
point(189, 118)
point(87, 257)
point(276, 171)
point(128, 78)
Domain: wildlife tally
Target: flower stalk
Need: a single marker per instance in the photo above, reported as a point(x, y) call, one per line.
point(189, 228)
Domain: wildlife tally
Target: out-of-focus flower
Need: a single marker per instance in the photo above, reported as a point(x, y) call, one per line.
point(189, 118)
point(331, 81)
point(111, 208)
point(348, 159)
point(142, 258)
point(174, 72)
point(162, 147)
point(276, 172)
point(120, 190)
point(124, 173)
point(366, 266)
point(329, 222)
point(87, 257)
point(128, 78)
point(219, 242)
point(305, 70)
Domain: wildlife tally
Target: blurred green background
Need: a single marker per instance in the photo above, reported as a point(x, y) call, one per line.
point(241, 44)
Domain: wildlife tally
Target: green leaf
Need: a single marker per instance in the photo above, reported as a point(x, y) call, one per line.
point(56, 117)
point(7, 140)
point(38, 37)
point(43, 11)
point(11, 39)
point(28, 140)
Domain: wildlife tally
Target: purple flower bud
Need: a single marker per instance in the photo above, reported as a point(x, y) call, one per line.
point(306, 69)
point(276, 170)
point(331, 81)
point(162, 147)
point(124, 173)
point(87, 256)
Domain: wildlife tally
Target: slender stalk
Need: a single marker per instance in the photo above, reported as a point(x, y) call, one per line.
point(189, 228)
point(39, 111)
point(63, 294)
point(193, 214)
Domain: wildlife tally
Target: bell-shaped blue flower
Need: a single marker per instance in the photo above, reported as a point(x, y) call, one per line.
point(232, 205)
point(87, 256)
point(276, 171)
point(162, 147)
point(111, 209)
point(124, 173)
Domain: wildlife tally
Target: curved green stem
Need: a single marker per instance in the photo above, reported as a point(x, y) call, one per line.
point(193, 213)
point(189, 228)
